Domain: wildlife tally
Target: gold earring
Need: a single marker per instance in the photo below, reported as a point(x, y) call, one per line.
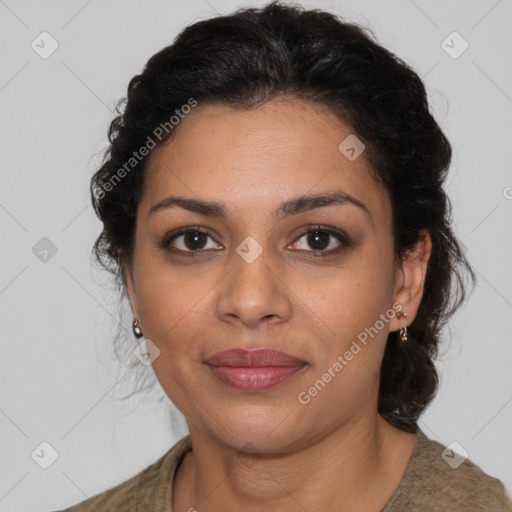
point(136, 329)
point(403, 331)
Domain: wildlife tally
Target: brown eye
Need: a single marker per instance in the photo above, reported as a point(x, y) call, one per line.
point(318, 242)
point(318, 239)
point(189, 240)
point(194, 240)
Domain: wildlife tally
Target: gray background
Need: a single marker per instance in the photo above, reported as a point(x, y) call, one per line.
point(59, 378)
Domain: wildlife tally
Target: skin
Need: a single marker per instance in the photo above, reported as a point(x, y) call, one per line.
point(265, 450)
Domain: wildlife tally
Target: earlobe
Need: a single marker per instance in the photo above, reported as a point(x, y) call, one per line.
point(130, 289)
point(132, 297)
point(411, 276)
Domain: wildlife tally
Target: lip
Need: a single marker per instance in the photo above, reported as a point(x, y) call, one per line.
point(258, 357)
point(253, 370)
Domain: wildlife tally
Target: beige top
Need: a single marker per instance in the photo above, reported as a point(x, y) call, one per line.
point(429, 483)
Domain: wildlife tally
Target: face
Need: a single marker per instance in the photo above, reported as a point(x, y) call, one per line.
point(312, 283)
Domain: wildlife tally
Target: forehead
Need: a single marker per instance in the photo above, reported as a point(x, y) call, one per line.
point(255, 159)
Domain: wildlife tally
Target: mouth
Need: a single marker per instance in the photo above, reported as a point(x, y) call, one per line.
point(253, 370)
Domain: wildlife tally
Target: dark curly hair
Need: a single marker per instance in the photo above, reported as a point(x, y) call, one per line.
point(254, 55)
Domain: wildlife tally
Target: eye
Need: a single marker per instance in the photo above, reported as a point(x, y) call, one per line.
point(188, 240)
point(320, 238)
point(195, 240)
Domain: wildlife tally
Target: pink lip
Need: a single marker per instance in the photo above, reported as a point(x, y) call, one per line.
point(253, 370)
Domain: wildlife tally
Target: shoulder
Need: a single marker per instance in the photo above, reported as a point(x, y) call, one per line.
point(146, 490)
point(437, 478)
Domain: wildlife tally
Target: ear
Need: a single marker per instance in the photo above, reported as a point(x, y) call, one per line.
point(130, 289)
point(410, 281)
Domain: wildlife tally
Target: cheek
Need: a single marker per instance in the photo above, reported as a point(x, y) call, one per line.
point(351, 304)
point(167, 294)
point(176, 311)
point(173, 317)
point(170, 313)
point(353, 294)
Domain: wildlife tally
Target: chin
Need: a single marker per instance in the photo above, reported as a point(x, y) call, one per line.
point(261, 428)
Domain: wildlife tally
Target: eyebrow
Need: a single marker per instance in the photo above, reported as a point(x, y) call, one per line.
point(292, 206)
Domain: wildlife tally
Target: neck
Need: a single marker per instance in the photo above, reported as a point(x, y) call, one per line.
point(356, 467)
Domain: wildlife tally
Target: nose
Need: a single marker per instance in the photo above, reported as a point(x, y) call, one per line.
point(254, 293)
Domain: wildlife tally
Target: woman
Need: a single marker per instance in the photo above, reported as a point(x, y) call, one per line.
point(272, 205)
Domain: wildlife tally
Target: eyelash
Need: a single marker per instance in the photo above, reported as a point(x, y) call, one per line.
point(338, 235)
